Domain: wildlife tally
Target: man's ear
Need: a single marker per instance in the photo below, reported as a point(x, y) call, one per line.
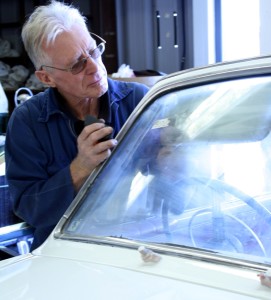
point(45, 78)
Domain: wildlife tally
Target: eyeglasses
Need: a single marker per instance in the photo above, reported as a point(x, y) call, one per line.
point(81, 64)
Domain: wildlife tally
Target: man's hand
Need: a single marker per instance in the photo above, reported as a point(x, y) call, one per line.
point(92, 151)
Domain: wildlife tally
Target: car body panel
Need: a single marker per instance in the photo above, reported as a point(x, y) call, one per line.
point(119, 273)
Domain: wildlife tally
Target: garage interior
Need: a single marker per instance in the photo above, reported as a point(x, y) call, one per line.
point(151, 37)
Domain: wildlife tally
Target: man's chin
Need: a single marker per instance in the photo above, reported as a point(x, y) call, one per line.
point(104, 86)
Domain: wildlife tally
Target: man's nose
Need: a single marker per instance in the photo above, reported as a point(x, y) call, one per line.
point(92, 64)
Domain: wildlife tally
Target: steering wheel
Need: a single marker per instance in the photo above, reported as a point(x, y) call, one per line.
point(228, 238)
point(220, 186)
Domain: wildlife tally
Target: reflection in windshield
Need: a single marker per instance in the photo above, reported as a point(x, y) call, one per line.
point(250, 178)
point(210, 189)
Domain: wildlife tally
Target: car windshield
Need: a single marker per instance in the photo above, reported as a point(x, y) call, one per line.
point(193, 169)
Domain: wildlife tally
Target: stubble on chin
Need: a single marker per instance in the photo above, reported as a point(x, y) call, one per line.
point(104, 86)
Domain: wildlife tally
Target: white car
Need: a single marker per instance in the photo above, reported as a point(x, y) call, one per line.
point(181, 210)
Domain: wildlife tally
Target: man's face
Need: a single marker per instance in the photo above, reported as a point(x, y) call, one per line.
point(69, 48)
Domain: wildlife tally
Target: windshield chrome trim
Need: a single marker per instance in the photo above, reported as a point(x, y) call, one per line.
point(171, 250)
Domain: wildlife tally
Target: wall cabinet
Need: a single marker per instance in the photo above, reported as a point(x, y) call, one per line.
point(151, 34)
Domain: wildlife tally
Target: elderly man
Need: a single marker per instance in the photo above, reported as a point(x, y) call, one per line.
point(50, 151)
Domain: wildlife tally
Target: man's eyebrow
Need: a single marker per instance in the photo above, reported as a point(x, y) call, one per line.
point(82, 54)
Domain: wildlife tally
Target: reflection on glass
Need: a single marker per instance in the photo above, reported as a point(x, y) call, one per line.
point(193, 170)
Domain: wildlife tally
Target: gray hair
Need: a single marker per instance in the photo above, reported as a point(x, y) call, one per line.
point(44, 25)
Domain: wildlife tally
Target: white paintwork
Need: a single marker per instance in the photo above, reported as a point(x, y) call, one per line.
point(72, 270)
point(215, 69)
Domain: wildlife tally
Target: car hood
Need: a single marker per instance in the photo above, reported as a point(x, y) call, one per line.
point(103, 272)
point(55, 278)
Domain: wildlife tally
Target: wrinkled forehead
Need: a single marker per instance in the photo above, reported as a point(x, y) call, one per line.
point(75, 35)
point(68, 47)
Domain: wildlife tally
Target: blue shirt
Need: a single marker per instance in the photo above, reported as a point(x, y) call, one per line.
point(41, 142)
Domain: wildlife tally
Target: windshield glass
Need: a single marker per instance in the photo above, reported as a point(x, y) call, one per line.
point(192, 170)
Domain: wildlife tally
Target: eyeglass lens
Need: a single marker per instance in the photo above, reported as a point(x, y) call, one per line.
point(81, 64)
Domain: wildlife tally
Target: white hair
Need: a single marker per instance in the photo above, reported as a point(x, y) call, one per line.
point(45, 24)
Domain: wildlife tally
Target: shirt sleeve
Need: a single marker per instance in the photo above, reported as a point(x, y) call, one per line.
point(41, 188)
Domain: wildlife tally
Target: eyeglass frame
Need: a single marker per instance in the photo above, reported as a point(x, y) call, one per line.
point(82, 61)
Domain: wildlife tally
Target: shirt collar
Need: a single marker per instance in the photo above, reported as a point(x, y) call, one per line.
point(54, 103)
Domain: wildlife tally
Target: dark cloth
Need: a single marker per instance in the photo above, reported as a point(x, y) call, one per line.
point(41, 142)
